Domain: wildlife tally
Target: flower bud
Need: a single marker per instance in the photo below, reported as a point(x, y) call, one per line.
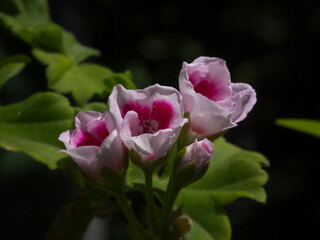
point(181, 225)
point(194, 162)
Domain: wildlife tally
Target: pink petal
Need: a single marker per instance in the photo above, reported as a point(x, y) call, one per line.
point(121, 97)
point(98, 129)
point(85, 157)
point(184, 84)
point(142, 108)
point(131, 124)
point(84, 138)
point(205, 60)
point(173, 99)
point(208, 76)
point(65, 137)
point(199, 153)
point(149, 146)
point(111, 153)
point(143, 101)
point(202, 152)
point(244, 98)
point(82, 118)
point(110, 121)
point(162, 112)
point(207, 117)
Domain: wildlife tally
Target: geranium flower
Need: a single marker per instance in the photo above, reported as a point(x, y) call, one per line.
point(151, 118)
point(213, 101)
point(94, 143)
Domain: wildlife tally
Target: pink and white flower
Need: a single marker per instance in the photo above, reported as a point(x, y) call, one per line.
point(152, 119)
point(95, 143)
point(213, 101)
point(198, 153)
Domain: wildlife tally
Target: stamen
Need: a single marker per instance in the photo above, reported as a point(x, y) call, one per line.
point(149, 126)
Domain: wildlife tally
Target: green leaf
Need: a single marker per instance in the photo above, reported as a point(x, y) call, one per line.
point(95, 106)
point(34, 125)
point(74, 50)
point(134, 175)
point(59, 49)
point(83, 80)
point(47, 36)
point(209, 220)
point(120, 78)
point(32, 12)
point(308, 126)
point(233, 173)
point(33, 25)
point(32, 19)
point(11, 66)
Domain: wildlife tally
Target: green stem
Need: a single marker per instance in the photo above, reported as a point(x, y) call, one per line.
point(150, 203)
point(170, 197)
point(133, 221)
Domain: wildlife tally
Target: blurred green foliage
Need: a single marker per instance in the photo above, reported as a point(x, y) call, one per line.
point(308, 126)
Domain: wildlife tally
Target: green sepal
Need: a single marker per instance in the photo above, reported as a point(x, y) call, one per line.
point(149, 165)
point(201, 173)
point(72, 171)
point(112, 180)
point(136, 158)
point(178, 159)
point(183, 139)
point(188, 174)
point(185, 176)
point(167, 171)
point(97, 184)
point(216, 136)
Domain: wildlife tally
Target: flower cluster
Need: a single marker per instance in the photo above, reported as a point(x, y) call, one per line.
point(149, 121)
point(144, 125)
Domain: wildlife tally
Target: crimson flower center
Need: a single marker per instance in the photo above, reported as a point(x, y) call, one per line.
point(152, 119)
point(93, 136)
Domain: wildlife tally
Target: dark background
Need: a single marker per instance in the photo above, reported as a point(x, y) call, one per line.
point(272, 45)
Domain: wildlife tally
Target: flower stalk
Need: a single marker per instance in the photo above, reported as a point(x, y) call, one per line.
point(133, 221)
point(170, 197)
point(150, 203)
